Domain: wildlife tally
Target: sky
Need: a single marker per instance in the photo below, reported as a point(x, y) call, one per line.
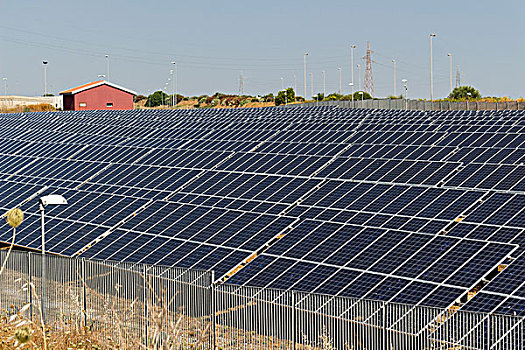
point(212, 42)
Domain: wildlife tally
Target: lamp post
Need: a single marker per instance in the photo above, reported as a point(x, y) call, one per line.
point(450, 63)
point(324, 83)
point(362, 99)
point(352, 88)
point(359, 70)
point(175, 82)
point(432, 35)
point(394, 61)
point(405, 83)
point(339, 69)
point(172, 89)
point(468, 95)
point(5, 91)
point(352, 66)
point(107, 66)
point(45, 76)
point(52, 199)
point(304, 71)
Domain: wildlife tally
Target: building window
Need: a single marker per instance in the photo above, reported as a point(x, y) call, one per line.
point(82, 104)
point(109, 104)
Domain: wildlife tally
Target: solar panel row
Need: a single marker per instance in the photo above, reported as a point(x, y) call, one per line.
point(406, 206)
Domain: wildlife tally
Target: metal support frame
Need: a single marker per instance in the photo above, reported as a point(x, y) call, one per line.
point(145, 300)
point(213, 308)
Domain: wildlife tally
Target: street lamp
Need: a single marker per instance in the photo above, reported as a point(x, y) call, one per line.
point(102, 76)
point(359, 69)
point(45, 76)
point(107, 66)
point(5, 91)
point(362, 99)
point(450, 59)
point(304, 71)
point(352, 66)
point(174, 82)
point(432, 35)
point(52, 199)
point(468, 95)
point(394, 61)
point(405, 83)
point(339, 69)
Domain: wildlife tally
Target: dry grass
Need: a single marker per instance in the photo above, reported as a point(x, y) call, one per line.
point(41, 107)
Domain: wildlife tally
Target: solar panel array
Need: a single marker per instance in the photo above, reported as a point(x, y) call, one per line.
point(404, 206)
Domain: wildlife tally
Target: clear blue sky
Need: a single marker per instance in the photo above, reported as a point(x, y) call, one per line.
point(213, 41)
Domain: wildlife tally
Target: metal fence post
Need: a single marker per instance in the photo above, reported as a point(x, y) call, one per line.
point(145, 299)
point(213, 310)
point(294, 332)
point(383, 323)
point(30, 285)
point(488, 332)
point(84, 294)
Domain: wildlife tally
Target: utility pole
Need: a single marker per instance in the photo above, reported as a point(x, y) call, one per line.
point(394, 61)
point(175, 82)
point(352, 67)
point(359, 70)
point(450, 64)
point(304, 69)
point(107, 67)
point(45, 76)
point(339, 69)
point(324, 83)
point(432, 35)
point(172, 102)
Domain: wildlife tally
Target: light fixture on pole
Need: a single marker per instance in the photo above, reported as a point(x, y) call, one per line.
point(432, 35)
point(174, 82)
point(340, 78)
point(352, 66)
point(107, 66)
point(52, 199)
point(405, 83)
point(304, 71)
point(468, 95)
point(45, 76)
point(394, 61)
point(102, 76)
point(450, 63)
point(359, 70)
point(362, 98)
point(172, 89)
point(324, 83)
point(5, 91)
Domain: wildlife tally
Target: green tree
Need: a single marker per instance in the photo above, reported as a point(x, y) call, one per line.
point(285, 97)
point(464, 92)
point(319, 97)
point(158, 98)
point(366, 95)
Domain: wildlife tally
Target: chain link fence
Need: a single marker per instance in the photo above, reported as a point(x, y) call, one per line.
point(163, 308)
point(418, 105)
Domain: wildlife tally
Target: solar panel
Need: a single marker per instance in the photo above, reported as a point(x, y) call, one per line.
point(418, 207)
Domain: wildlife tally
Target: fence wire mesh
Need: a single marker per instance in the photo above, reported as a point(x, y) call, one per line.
point(173, 308)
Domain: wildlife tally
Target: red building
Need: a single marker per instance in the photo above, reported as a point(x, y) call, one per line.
point(98, 95)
